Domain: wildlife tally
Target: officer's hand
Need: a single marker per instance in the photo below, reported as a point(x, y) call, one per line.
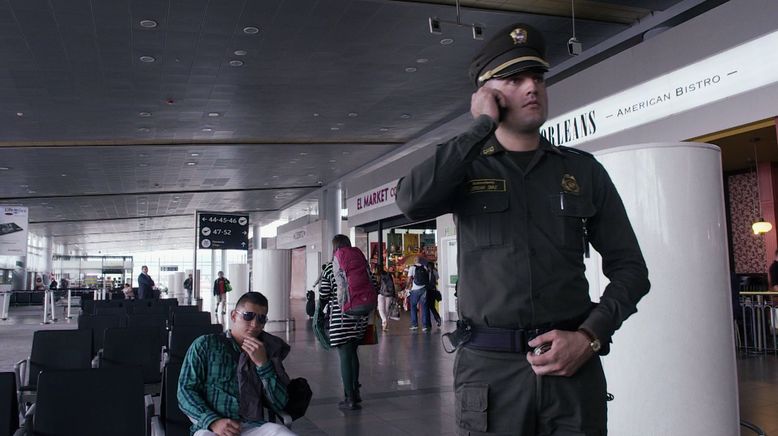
point(256, 350)
point(225, 427)
point(487, 101)
point(568, 352)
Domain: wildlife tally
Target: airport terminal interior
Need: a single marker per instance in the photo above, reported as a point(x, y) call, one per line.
point(193, 137)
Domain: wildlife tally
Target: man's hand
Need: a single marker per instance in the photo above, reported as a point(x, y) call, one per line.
point(487, 101)
point(568, 352)
point(256, 350)
point(225, 427)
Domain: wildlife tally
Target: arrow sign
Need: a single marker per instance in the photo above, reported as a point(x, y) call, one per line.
point(223, 231)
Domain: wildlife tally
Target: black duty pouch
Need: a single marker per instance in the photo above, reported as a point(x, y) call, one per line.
point(452, 341)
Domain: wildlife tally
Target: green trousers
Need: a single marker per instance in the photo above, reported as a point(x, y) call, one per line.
point(349, 367)
point(498, 394)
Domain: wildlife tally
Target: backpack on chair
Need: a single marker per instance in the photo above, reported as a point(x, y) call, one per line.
point(356, 294)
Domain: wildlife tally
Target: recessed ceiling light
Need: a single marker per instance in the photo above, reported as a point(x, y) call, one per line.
point(422, 60)
point(143, 165)
point(20, 114)
point(302, 153)
point(149, 24)
point(207, 129)
point(5, 168)
point(334, 128)
point(176, 197)
point(250, 30)
point(405, 116)
point(213, 114)
point(191, 164)
point(30, 191)
point(144, 114)
point(236, 63)
point(63, 175)
point(446, 41)
point(144, 129)
point(194, 154)
point(410, 70)
point(44, 203)
point(332, 161)
point(240, 52)
point(315, 114)
point(147, 59)
point(24, 186)
point(353, 114)
point(383, 129)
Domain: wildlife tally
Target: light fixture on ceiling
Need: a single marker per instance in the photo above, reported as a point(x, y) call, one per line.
point(5, 168)
point(353, 114)
point(148, 24)
point(144, 114)
point(334, 128)
point(574, 47)
point(214, 114)
point(410, 69)
point(250, 30)
point(383, 129)
point(436, 28)
point(20, 114)
point(405, 116)
point(760, 226)
point(236, 63)
point(191, 164)
point(422, 60)
point(240, 52)
point(194, 154)
point(147, 59)
point(446, 41)
point(207, 129)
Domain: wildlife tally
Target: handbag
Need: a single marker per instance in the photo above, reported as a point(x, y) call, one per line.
point(227, 287)
point(371, 333)
point(321, 326)
point(394, 310)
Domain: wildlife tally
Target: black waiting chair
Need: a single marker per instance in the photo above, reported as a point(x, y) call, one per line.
point(172, 419)
point(136, 346)
point(113, 311)
point(89, 402)
point(9, 406)
point(97, 325)
point(51, 350)
point(157, 320)
point(191, 318)
point(182, 309)
point(181, 337)
point(90, 306)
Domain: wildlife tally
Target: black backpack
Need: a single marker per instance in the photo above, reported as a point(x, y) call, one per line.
point(387, 285)
point(299, 396)
point(421, 277)
point(310, 304)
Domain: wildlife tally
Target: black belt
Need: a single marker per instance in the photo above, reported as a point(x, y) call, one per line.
point(503, 340)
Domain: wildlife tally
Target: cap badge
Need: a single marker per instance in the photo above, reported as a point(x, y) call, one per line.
point(570, 185)
point(519, 36)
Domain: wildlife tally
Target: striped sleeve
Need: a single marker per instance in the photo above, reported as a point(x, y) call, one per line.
point(191, 385)
point(274, 390)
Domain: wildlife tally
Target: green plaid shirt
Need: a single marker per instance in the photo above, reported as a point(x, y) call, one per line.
point(208, 385)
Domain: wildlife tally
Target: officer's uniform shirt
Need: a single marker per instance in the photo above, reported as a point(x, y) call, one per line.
point(521, 231)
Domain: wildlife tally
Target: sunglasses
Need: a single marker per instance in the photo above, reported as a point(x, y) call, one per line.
point(249, 316)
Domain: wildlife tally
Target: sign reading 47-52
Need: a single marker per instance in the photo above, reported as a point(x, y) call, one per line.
point(221, 231)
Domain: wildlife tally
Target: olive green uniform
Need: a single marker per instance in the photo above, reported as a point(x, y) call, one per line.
point(522, 234)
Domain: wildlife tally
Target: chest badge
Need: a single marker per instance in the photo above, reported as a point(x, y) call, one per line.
point(570, 185)
point(488, 151)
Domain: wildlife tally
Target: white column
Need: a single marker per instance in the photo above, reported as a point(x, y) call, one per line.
point(330, 202)
point(672, 365)
point(238, 275)
point(272, 277)
point(176, 287)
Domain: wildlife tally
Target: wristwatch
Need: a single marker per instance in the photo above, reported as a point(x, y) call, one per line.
point(594, 343)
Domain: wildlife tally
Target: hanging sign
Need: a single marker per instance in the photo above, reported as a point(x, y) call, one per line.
point(372, 199)
point(218, 231)
point(14, 222)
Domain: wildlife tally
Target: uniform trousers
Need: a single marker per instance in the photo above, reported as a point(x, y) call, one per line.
point(266, 429)
point(498, 394)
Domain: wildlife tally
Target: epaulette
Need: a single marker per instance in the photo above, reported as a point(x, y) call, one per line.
point(575, 151)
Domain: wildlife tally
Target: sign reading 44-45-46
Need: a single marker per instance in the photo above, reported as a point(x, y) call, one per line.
point(219, 231)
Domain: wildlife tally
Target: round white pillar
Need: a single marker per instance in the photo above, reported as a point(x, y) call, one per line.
point(176, 287)
point(272, 277)
point(672, 365)
point(238, 275)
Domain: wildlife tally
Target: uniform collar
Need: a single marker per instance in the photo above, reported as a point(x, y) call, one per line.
point(492, 146)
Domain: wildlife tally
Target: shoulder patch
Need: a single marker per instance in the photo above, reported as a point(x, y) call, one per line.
point(575, 151)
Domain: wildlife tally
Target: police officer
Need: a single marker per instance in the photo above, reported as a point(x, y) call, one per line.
point(529, 337)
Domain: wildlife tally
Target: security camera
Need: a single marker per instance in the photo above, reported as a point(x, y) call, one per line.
point(435, 26)
point(478, 32)
point(574, 47)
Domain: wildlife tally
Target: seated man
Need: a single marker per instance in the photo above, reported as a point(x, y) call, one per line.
point(227, 379)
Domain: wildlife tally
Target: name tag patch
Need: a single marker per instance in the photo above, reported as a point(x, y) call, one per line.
point(486, 185)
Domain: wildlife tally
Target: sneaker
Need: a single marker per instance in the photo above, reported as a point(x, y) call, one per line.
point(414, 328)
point(425, 329)
point(348, 404)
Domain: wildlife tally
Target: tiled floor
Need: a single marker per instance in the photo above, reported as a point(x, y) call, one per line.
point(407, 380)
